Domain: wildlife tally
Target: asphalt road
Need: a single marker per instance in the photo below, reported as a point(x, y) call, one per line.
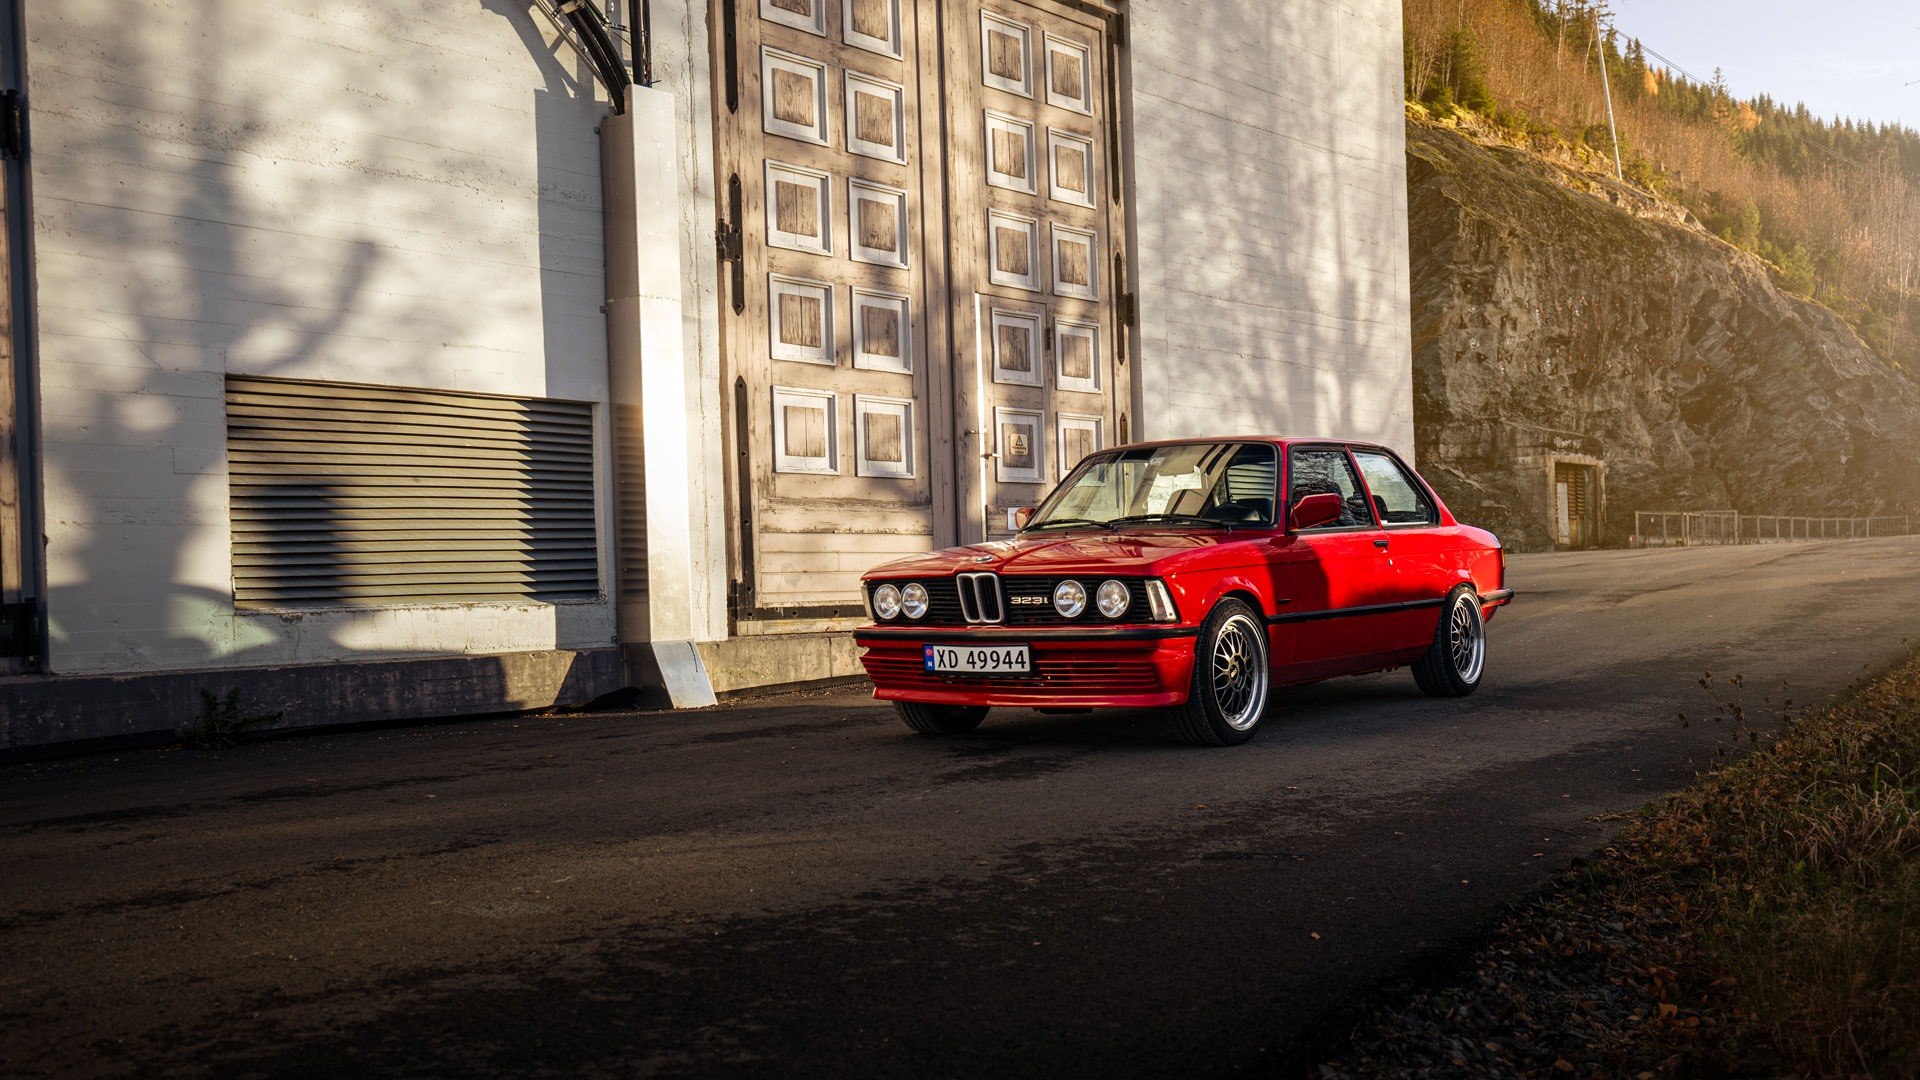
point(801, 887)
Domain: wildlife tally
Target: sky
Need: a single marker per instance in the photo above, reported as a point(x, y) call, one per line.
point(1842, 57)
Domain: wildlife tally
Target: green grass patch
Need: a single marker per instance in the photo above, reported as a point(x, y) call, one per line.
point(1764, 922)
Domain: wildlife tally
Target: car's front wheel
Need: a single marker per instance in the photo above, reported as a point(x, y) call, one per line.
point(1230, 677)
point(1455, 661)
point(940, 719)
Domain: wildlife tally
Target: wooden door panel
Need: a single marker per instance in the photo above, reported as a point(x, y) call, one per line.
point(11, 553)
point(1038, 379)
point(14, 554)
point(927, 255)
point(835, 340)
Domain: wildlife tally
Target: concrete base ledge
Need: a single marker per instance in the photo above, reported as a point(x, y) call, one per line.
point(750, 662)
point(38, 710)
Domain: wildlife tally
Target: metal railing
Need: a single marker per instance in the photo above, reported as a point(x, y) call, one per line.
point(1699, 528)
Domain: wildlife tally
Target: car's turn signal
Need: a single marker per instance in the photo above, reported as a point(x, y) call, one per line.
point(1160, 602)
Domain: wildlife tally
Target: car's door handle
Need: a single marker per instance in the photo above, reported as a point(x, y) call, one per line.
point(1381, 544)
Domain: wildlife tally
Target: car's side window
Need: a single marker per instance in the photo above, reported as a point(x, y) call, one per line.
point(1244, 494)
point(1319, 472)
point(1395, 494)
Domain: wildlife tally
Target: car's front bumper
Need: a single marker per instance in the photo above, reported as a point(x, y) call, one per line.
point(1118, 667)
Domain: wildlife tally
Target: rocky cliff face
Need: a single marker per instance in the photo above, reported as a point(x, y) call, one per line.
point(1560, 319)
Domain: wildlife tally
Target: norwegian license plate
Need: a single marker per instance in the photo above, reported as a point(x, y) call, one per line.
point(978, 659)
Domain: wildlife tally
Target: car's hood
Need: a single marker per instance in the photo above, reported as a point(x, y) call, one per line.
point(1139, 551)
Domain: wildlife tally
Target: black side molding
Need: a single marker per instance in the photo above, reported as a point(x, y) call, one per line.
point(1496, 598)
point(1348, 612)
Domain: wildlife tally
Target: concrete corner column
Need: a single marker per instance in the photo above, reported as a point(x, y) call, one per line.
point(652, 406)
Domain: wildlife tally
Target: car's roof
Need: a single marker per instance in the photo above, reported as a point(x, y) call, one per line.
point(1283, 440)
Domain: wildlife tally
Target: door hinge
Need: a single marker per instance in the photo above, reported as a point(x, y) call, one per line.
point(740, 602)
point(1129, 313)
point(730, 54)
point(730, 241)
point(13, 126)
point(1117, 30)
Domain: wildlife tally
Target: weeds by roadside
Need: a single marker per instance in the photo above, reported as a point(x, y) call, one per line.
point(1766, 921)
point(222, 722)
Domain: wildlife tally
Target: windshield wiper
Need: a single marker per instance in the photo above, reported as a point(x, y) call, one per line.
point(1170, 519)
point(1056, 522)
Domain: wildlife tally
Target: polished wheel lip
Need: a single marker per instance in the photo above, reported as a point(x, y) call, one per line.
point(1238, 678)
point(1467, 638)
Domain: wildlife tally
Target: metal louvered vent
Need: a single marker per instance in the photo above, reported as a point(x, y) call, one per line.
point(363, 495)
point(1251, 480)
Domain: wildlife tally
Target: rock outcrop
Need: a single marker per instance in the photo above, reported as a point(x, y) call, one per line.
point(1559, 318)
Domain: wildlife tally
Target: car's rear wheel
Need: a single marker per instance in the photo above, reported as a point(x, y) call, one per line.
point(1230, 678)
point(940, 719)
point(1457, 658)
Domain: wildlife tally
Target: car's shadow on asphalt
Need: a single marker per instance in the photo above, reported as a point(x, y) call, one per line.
point(1381, 698)
point(1114, 729)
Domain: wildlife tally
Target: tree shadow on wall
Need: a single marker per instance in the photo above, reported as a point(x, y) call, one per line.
point(1305, 305)
point(213, 213)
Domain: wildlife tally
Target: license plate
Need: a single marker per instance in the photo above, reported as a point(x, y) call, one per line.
point(978, 659)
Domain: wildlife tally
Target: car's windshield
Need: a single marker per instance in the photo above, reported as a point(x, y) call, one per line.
point(1211, 484)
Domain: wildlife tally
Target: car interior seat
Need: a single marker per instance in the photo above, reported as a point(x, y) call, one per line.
point(1241, 511)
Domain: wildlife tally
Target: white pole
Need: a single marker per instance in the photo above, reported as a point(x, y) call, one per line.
point(1607, 89)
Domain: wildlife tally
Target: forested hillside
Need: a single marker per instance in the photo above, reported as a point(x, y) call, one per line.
point(1560, 316)
point(1832, 205)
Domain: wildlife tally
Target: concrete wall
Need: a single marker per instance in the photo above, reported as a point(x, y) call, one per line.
point(344, 190)
point(682, 68)
point(1270, 200)
point(410, 195)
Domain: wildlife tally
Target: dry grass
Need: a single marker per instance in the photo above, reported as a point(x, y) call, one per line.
point(1796, 872)
point(1765, 922)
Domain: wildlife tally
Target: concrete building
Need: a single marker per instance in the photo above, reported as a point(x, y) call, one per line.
point(384, 362)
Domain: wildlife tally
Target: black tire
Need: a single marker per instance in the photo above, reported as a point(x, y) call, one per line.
point(1452, 667)
point(940, 719)
point(1231, 676)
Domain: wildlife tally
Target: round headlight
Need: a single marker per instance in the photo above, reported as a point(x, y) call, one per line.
point(1112, 599)
point(886, 602)
point(1069, 598)
point(913, 600)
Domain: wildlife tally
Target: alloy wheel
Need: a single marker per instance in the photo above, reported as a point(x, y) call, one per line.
point(1468, 640)
point(1239, 676)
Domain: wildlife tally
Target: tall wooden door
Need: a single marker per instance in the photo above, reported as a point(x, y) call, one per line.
point(18, 637)
point(1036, 263)
point(916, 306)
point(832, 345)
point(1572, 495)
point(13, 627)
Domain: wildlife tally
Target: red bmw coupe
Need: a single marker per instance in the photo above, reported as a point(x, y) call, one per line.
point(1170, 574)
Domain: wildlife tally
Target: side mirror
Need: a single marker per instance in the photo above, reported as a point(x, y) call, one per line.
point(1020, 515)
point(1316, 510)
